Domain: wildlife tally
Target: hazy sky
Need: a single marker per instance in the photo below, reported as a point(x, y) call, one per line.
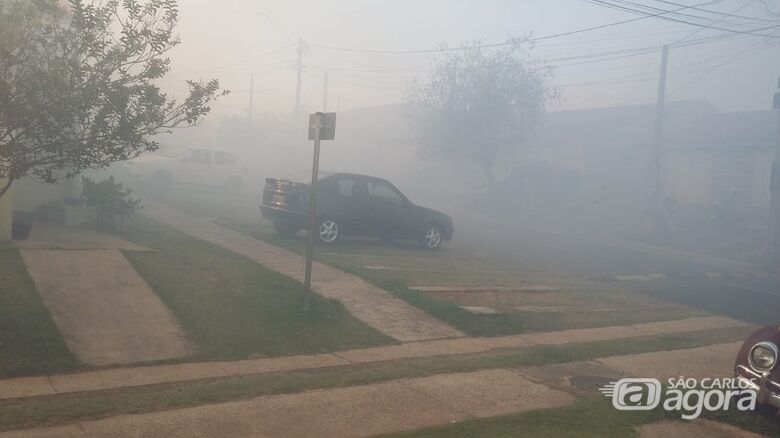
point(224, 40)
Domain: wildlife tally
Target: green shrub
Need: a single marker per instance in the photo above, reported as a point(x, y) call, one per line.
point(113, 204)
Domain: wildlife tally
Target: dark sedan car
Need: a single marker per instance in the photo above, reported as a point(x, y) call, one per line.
point(757, 366)
point(352, 205)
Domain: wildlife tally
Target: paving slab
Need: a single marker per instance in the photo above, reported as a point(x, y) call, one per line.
point(125, 377)
point(405, 404)
point(45, 235)
point(104, 309)
point(366, 302)
point(527, 288)
point(26, 387)
point(50, 432)
point(693, 429)
point(705, 362)
point(150, 375)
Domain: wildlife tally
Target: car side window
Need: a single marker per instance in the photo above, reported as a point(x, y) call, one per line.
point(199, 156)
point(384, 192)
point(204, 157)
point(352, 188)
point(223, 158)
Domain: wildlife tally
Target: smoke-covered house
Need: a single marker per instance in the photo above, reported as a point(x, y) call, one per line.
point(722, 158)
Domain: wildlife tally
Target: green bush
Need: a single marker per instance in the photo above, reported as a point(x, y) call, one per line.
point(113, 204)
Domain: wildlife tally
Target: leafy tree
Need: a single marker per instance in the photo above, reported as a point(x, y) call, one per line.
point(78, 84)
point(480, 104)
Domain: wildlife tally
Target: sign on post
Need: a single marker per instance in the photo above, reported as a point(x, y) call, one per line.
point(327, 124)
point(322, 126)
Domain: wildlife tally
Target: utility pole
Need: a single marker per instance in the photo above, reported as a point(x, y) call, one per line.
point(657, 183)
point(299, 81)
point(250, 111)
point(325, 94)
point(251, 98)
point(773, 251)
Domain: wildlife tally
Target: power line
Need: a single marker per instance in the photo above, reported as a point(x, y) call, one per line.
point(737, 56)
point(730, 14)
point(753, 32)
point(244, 61)
point(492, 45)
point(725, 15)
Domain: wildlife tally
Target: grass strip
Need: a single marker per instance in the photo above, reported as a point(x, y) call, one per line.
point(30, 342)
point(68, 408)
point(233, 308)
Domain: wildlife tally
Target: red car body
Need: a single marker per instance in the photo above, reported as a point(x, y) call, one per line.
point(765, 381)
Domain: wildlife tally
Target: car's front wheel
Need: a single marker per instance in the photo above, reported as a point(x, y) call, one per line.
point(328, 231)
point(431, 237)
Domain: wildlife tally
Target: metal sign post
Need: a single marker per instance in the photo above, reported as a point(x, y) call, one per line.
point(322, 126)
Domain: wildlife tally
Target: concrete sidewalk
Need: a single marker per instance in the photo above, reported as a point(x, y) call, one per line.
point(404, 404)
point(414, 403)
point(150, 375)
point(104, 309)
point(366, 302)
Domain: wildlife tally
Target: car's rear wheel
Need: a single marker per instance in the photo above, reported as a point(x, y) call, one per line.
point(328, 231)
point(285, 229)
point(431, 237)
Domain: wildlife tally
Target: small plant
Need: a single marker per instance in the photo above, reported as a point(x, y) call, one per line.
point(112, 202)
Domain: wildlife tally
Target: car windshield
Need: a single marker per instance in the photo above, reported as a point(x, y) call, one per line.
point(171, 151)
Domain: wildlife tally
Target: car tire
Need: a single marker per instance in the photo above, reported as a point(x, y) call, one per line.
point(285, 229)
point(161, 178)
point(328, 231)
point(431, 237)
point(233, 184)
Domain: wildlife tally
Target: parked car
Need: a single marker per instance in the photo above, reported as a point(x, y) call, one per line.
point(352, 205)
point(191, 166)
point(757, 368)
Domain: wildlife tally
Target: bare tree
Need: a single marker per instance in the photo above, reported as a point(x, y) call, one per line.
point(480, 104)
point(78, 84)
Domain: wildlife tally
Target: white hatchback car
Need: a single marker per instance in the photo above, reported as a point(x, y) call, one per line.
point(190, 166)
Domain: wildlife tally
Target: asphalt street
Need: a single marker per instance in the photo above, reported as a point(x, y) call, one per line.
point(730, 289)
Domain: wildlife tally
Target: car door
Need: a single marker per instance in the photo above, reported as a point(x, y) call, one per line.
point(345, 198)
point(195, 167)
point(389, 210)
point(225, 167)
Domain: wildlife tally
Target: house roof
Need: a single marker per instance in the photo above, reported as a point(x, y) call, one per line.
point(630, 125)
